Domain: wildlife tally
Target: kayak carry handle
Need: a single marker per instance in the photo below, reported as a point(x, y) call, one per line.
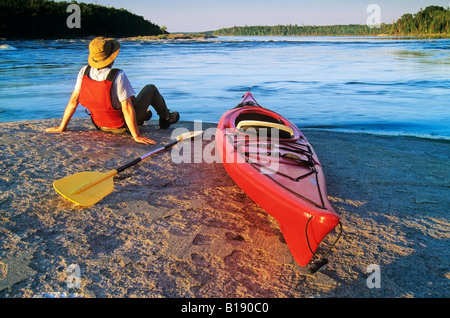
point(253, 123)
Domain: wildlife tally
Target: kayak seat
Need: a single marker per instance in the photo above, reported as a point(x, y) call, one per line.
point(258, 117)
point(284, 131)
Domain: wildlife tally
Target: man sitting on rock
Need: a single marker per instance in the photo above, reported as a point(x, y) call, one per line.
point(110, 98)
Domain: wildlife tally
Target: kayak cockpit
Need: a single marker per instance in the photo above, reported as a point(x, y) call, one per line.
point(256, 123)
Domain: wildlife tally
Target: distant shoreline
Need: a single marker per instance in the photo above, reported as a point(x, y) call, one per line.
point(176, 36)
point(202, 36)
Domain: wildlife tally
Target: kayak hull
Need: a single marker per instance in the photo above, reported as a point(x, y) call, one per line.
point(280, 172)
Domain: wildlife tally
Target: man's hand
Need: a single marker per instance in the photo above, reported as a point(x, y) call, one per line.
point(68, 113)
point(130, 118)
point(145, 140)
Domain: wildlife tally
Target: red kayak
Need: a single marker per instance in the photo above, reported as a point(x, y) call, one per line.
point(274, 164)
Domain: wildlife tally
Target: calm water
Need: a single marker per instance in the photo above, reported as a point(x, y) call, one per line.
point(380, 85)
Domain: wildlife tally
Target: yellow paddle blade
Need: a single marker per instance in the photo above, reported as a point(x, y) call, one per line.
point(190, 134)
point(86, 188)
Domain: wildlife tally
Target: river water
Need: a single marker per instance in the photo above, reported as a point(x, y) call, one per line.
point(396, 86)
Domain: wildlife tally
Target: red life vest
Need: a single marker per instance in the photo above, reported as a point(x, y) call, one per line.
point(96, 96)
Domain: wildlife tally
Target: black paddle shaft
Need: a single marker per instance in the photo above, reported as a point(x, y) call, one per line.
point(137, 160)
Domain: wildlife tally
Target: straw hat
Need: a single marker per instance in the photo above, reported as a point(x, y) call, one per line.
point(102, 52)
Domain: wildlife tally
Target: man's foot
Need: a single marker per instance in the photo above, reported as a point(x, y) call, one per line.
point(174, 117)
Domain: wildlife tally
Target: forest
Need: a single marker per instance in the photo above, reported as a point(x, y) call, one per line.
point(305, 30)
point(45, 19)
point(433, 20)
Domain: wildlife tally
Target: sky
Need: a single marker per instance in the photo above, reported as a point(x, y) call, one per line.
point(208, 15)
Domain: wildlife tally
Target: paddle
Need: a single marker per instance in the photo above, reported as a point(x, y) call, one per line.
point(88, 187)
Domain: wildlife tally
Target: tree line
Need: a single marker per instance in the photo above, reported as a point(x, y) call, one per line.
point(49, 19)
point(306, 30)
point(433, 20)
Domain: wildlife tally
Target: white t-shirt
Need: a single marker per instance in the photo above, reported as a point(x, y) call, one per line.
point(121, 88)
